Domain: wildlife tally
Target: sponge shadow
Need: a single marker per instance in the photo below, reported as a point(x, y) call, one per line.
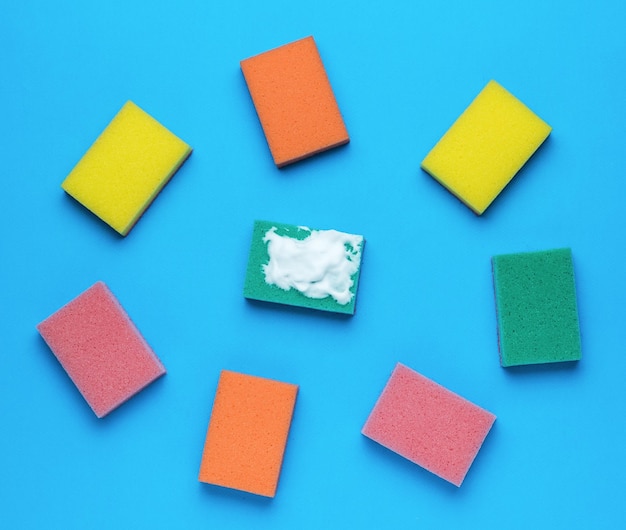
point(296, 310)
point(544, 368)
point(233, 496)
point(315, 158)
point(92, 218)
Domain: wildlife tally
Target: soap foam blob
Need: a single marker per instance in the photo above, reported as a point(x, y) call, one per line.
point(320, 265)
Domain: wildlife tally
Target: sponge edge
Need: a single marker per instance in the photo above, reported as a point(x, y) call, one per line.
point(126, 167)
point(100, 349)
point(536, 308)
point(428, 424)
point(294, 101)
point(247, 433)
point(486, 146)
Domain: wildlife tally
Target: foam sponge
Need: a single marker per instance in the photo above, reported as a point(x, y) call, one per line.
point(428, 424)
point(536, 307)
point(100, 349)
point(247, 433)
point(486, 146)
point(299, 266)
point(126, 167)
point(294, 101)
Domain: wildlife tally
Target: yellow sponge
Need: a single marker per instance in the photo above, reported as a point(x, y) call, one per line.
point(126, 167)
point(486, 146)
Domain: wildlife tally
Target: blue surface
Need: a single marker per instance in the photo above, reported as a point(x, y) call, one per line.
point(401, 72)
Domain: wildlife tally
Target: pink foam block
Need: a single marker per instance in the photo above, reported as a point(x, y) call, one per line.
point(428, 424)
point(101, 349)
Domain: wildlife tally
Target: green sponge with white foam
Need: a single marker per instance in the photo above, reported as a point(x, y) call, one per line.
point(536, 307)
point(299, 266)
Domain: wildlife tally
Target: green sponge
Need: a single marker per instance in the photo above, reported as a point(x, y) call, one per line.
point(298, 266)
point(536, 307)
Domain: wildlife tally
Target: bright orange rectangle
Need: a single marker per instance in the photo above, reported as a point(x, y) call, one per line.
point(294, 101)
point(247, 433)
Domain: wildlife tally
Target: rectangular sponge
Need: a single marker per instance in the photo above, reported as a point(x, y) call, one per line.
point(247, 433)
point(294, 101)
point(298, 266)
point(100, 349)
point(428, 424)
point(126, 167)
point(536, 307)
point(486, 146)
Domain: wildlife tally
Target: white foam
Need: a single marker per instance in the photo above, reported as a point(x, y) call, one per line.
point(320, 265)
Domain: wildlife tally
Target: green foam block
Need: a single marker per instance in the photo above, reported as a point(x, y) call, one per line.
point(536, 307)
point(305, 287)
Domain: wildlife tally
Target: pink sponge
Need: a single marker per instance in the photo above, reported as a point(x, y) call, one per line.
point(101, 349)
point(428, 424)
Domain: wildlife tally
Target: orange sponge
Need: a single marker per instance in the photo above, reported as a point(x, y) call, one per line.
point(294, 101)
point(247, 433)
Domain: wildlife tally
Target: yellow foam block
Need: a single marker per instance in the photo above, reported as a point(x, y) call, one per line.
point(486, 146)
point(126, 167)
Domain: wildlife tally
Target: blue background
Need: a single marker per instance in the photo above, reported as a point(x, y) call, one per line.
point(402, 72)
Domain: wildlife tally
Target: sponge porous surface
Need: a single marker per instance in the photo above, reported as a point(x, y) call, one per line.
point(126, 167)
point(428, 424)
point(100, 349)
point(247, 433)
point(486, 146)
point(294, 101)
point(536, 307)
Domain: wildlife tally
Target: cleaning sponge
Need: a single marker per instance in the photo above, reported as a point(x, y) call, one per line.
point(294, 101)
point(100, 349)
point(536, 307)
point(126, 167)
point(247, 433)
point(296, 265)
point(427, 424)
point(486, 147)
